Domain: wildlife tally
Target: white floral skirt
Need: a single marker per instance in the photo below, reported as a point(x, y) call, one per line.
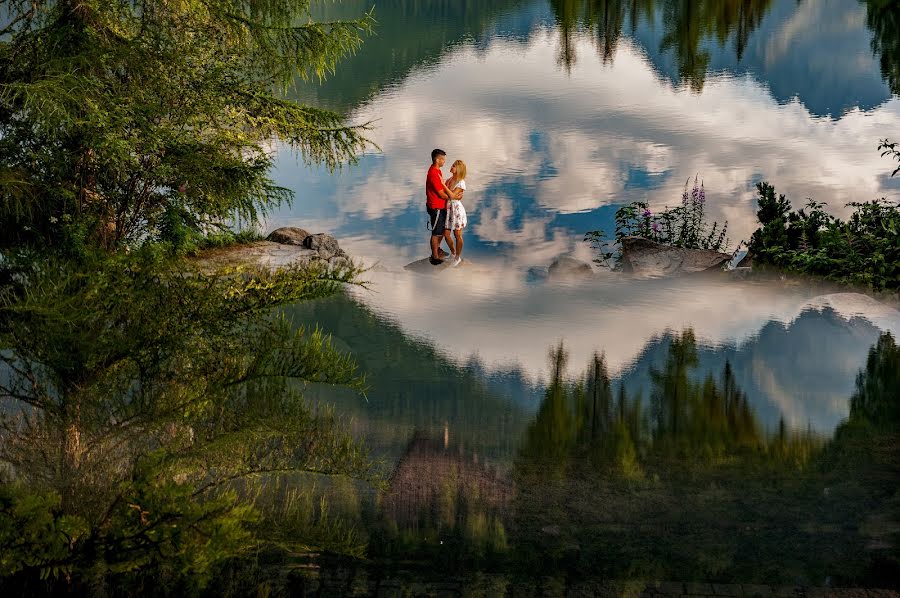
point(456, 215)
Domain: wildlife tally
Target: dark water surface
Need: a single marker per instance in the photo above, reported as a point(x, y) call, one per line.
point(732, 431)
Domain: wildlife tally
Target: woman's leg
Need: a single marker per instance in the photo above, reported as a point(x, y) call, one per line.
point(459, 242)
point(449, 238)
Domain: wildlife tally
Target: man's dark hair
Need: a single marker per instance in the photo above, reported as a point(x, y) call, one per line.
point(435, 153)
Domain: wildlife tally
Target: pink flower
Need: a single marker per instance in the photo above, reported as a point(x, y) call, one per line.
point(182, 188)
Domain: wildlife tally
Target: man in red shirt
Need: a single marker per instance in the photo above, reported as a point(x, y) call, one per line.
point(436, 204)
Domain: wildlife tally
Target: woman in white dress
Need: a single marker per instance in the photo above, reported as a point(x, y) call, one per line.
point(456, 212)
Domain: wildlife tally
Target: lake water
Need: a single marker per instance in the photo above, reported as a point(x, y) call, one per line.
point(565, 111)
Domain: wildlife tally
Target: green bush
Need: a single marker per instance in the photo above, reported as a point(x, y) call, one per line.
point(864, 250)
point(682, 226)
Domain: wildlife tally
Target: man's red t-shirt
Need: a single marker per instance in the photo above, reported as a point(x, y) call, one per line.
point(433, 184)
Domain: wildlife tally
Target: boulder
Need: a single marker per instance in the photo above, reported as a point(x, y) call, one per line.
point(322, 241)
point(565, 267)
point(288, 235)
point(642, 256)
point(339, 263)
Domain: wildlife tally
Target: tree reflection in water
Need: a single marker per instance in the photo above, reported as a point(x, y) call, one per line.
point(883, 18)
point(689, 26)
point(687, 485)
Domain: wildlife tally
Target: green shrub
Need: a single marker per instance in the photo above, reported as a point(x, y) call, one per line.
point(864, 250)
point(682, 226)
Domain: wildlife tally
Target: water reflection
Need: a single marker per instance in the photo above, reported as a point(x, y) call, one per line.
point(687, 487)
point(688, 27)
point(883, 18)
point(442, 500)
point(713, 438)
point(552, 154)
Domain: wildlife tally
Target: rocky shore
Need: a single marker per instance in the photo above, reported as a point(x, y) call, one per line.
point(285, 246)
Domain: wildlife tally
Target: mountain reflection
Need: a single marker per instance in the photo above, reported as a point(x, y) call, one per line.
point(686, 485)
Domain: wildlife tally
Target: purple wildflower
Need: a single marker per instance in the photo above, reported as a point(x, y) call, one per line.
point(647, 213)
point(655, 227)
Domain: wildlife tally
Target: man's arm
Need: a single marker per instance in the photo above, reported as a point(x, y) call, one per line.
point(450, 194)
point(439, 187)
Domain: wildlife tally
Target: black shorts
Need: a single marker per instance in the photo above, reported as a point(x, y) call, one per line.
point(437, 221)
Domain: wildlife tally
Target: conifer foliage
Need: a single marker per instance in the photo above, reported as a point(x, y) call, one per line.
point(122, 121)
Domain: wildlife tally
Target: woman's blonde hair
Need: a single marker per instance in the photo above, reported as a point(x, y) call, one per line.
point(460, 170)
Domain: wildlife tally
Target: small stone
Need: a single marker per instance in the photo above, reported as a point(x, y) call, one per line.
point(568, 267)
point(288, 235)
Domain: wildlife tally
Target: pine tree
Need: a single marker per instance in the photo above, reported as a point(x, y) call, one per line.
point(143, 403)
point(125, 121)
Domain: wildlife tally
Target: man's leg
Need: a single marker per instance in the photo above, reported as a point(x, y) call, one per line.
point(435, 221)
point(435, 245)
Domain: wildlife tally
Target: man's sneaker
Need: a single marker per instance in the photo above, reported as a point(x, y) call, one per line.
point(456, 261)
point(435, 261)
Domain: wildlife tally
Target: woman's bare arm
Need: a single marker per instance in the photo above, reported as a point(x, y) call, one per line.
point(457, 194)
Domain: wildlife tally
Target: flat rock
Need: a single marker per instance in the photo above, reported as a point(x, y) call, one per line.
point(424, 266)
point(288, 235)
point(644, 257)
point(259, 253)
point(565, 267)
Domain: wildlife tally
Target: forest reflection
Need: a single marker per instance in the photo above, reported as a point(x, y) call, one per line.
point(686, 485)
point(690, 26)
point(883, 18)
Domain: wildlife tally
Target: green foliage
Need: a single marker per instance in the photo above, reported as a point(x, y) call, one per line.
point(35, 533)
point(864, 250)
point(682, 226)
point(145, 121)
point(141, 403)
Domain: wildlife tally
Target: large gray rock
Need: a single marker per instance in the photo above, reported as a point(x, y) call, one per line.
point(642, 256)
point(565, 267)
point(322, 243)
point(288, 235)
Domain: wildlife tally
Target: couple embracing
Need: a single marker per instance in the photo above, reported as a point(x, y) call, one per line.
point(443, 200)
